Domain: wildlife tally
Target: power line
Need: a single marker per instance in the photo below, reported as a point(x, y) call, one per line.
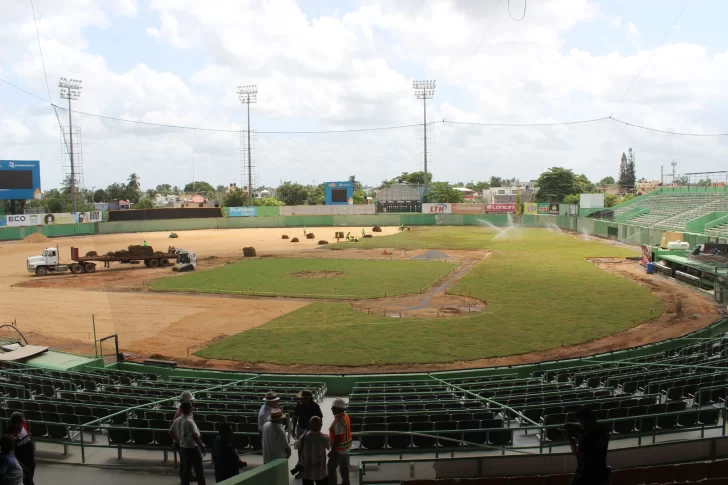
point(26, 92)
point(487, 28)
point(666, 131)
point(525, 2)
point(42, 60)
point(555, 123)
point(650, 58)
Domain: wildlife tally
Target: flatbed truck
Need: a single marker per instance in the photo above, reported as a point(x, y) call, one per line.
point(48, 262)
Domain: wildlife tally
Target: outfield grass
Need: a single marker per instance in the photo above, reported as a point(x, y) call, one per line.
point(276, 276)
point(540, 289)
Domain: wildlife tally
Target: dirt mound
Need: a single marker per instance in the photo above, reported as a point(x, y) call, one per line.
point(295, 239)
point(322, 242)
point(376, 229)
point(91, 254)
point(36, 237)
point(310, 236)
point(325, 273)
point(285, 236)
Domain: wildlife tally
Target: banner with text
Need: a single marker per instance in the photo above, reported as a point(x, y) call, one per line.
point(554, 209)
point(542, 209)
point(530, 208)
point(87, 217)
point(429, 208)
point(501, 208)
point(242, 211)
point(22, 220)
point(57, 218)
point(467, 208)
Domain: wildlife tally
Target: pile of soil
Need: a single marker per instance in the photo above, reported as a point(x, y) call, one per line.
point(36, 237)
point(249, 252)
point(432, 255)
point(376, 229)
point(324, 273)
point(91, 254)
point(285, 236)
point(310, 236)
point(322, 242)
point(295, 239)
point(136, 250)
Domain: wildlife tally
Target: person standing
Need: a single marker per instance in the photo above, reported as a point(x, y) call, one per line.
point(589, 444)
point(270, 403)
point(186, 396)
point(312, 447)
point(275, 442)
point(305, 410)
point(226, 459)
point(191, 449)
point(340, 437)
point(19, 430)
point(11, 473)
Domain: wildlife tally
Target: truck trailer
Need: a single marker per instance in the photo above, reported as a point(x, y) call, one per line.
point(48, 262)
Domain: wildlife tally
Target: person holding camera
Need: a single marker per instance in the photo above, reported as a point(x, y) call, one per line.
point(589, 441)
point(306, 408)
point(312, 448)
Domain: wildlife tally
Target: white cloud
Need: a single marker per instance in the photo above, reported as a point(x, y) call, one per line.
point(353, 69)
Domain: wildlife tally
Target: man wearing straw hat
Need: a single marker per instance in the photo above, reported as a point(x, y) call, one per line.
point(340, 436)
point(270, 403)
point(275, 442)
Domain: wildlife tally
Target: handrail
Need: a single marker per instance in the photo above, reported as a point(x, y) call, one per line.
point(16, 329)
point(489, 401)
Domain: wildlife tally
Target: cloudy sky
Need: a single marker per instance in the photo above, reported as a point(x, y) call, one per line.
point(346, 65)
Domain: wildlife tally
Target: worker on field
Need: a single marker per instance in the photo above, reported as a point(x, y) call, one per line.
point(304, 231)
point(340, 436)
point(363, 232)
point(271, 402)
point(145, 243)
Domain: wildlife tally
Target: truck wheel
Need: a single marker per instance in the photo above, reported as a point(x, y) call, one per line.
point(77, 268)
point(146, 263)
point(164, 262)
point(89, 267)
point(153, 263)
point(41, 271)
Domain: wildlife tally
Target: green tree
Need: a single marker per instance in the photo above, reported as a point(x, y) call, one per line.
point(292, 193)
point(571, 199)
point(199, 188)
point(357, 184)
point(496, 182)
point(234, 198)
point(175, 190)
point(583, 185)
point(145, 203)
point(606, 181)
point(627, 172)
point(415, 178)
point(100, 195)
point(555, 184)
point(116, 191)
point(133, 187)
point(443, 192)
point(268, 201)
point(151, 193)
point(316, 194)
point(610, 200)
point(164, 189)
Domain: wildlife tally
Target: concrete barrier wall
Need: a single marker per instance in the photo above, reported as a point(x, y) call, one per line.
point(328, 210)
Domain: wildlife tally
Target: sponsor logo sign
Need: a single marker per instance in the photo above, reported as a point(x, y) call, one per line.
point(22, 220)
point(554, 209)
point(57, 218)
point(436, 208)
point(242, 212)
point(646, 255)
point(502, 208)
point(530, 208)
point(467, 208)
point(543, 208)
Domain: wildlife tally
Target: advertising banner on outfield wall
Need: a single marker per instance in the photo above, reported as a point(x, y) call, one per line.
point(530, 208)
point(467, 208)
point(57, 218)
point(554, 209)
point(573, 209)
point(429, 208)
point(242, 211)
point(542, 209)
point(501, 208)
point(83, 217)
point(24, 220)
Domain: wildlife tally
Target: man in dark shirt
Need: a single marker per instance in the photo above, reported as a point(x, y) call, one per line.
point(306, 408)
point(589, 446)
point(227, 462)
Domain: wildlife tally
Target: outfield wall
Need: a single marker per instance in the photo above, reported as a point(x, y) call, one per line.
point(627, 233)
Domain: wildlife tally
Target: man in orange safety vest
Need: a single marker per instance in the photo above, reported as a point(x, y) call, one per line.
point(340, 436)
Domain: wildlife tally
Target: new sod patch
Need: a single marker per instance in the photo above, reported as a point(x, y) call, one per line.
point(541, 292)
point(312, 278)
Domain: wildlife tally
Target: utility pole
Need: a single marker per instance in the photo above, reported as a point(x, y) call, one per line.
point(249, 94)
point(424, 90)
point(71, 90)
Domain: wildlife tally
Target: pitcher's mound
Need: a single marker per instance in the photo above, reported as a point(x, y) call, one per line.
point(430, 255)
point(326, 273)
point(36, 237)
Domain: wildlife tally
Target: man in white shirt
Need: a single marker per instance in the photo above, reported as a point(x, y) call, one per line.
point(271, 402)
point(186, 436)
point(275, 442)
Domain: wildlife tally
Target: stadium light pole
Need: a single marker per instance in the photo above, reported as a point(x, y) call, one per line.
point(249, 94)
point(71, 90)
point(424, 90)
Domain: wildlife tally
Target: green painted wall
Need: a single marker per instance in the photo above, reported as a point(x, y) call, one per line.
point(698, 224)
point(273, 473)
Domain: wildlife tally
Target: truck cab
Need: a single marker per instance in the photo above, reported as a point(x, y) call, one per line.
point(48, 259)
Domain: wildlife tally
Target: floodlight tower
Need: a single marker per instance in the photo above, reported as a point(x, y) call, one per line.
point(249, 94)
point(424, 90)
point(71, 90)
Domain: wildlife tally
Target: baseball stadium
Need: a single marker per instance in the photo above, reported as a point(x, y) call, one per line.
point(197, 290)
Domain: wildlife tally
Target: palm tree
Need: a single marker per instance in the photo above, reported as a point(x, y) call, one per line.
point(134, 181)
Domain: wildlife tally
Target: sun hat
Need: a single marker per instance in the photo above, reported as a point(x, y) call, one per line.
point(186, 396)
point(271, 397)
point(339, 404)
point(304, 393)
point(277, 415)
